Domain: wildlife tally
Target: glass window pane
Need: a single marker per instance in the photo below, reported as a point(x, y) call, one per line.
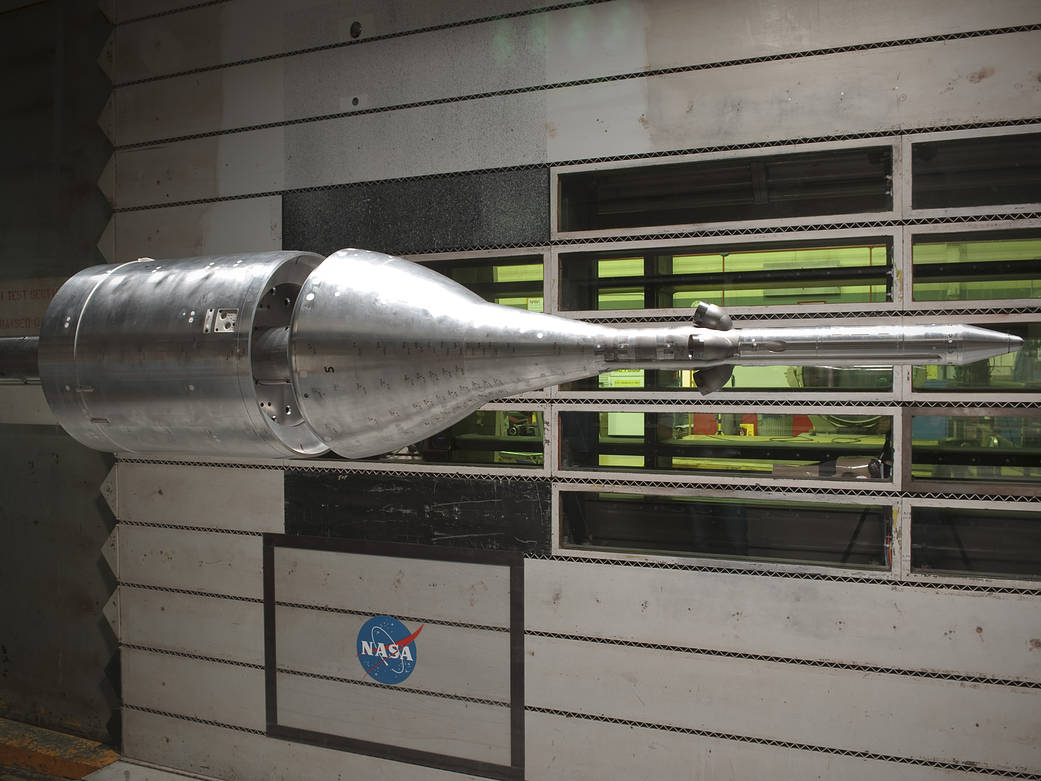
point(1018, 372)
point(841, 181)
point(960, 267)
point(976, 171)
point(977, 542)
point(748, 378)
point(820, 446)
point(486, 437)
point(794, 532)
point(778, 274)
point(976, 448)
point(510, 281)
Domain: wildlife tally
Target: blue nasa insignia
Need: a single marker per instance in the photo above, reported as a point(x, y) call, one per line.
point(387, 649)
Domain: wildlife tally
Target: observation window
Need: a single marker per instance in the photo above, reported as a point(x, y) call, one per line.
point(819, 446)
point(976, 171)
point(766, 379)
point(976, 448)
point(777, 274)
point(795, 532)
point(1002, 543)
point(486, 437)
point(960, 267)
point(840, 181)
point(1018, 372)
point(510, 281)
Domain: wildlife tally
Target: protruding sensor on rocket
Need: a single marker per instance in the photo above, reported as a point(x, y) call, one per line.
point(284, 354)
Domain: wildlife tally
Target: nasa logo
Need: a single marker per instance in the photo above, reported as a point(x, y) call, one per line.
point(387, 650)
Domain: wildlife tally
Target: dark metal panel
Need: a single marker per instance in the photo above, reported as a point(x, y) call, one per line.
point(432, 214)
point(459, 512)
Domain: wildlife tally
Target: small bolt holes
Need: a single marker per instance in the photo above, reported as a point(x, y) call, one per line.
point(287, 302)
point(289, 410)
point(354, 101)
point(355, 29)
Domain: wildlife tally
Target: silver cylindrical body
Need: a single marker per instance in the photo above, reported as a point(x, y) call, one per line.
point(284, 354)
point(156, 356)
point(386, 352)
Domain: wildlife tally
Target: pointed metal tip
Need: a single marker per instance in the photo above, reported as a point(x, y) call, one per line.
point(978, 344)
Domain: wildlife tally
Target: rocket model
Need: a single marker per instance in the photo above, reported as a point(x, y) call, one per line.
point(287, 354)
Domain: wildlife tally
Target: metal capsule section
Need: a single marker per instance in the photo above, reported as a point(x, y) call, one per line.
point(284, 354)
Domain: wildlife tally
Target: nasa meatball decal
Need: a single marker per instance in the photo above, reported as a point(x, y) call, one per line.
point(387, 649)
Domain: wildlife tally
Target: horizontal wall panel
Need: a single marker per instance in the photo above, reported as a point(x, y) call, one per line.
point(449, 660)
point(245, 29)
point(203, 626)
point(559, 749)
point(206, 690)
point(924, 85)
point(213, 497)
point(192, 560)
point(490, 208)
point(225, 227)
point(488, 133)
point(922, 718)
point(215, 752)
point(379, 714)
point(521, 52)
point(991, 635)
point(417, 588)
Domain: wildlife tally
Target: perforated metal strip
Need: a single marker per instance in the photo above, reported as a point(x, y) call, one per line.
point(880, 579)
point(194, 719)
point(963, 766)
point(395, 688)
point(947, 676)
point(190, 592)
point(186, 528)
point(184, 655)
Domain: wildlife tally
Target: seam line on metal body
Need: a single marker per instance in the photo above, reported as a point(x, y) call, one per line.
point(963, 766)
point(343, 44)
point(629, 76)
point(832, 665)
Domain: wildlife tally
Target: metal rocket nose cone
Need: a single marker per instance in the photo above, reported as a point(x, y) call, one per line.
point(977, 344)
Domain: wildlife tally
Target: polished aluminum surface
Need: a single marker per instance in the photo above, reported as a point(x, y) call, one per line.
point(282, 354)
point(155, 356)
point(385, 352)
